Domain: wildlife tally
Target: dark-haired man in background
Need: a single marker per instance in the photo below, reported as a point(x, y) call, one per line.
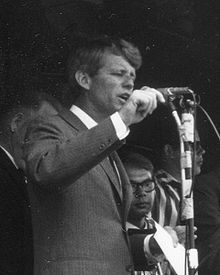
point(16, 243)
point(166, 209)
point(141, 174)
point(207, 220)
point(164, 152)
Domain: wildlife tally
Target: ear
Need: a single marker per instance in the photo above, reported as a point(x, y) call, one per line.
point(168, 151)
point(47, 108)
point(83, 79)
point(16, 121)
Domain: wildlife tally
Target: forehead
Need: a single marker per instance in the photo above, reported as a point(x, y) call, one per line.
point(112, 61)
point(138, 175)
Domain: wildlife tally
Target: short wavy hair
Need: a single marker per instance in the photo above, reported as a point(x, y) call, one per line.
point(87, 56)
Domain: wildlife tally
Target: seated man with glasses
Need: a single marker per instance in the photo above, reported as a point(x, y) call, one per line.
point(140, 173)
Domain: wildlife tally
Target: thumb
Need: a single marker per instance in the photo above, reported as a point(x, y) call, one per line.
point(160, 97)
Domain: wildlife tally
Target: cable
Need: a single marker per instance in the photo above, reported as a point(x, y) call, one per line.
point(210, 120)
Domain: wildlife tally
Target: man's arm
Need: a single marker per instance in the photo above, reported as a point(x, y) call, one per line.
point(207, 204)
point(55, 151)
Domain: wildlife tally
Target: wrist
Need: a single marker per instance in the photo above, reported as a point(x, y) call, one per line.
point(121, 129)
point(125, 118)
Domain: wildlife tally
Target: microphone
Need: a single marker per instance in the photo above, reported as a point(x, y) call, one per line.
point(173, 92)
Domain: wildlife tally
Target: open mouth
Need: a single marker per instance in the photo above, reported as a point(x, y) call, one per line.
point(124, 97)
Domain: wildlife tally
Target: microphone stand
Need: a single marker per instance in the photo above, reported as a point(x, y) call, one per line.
point(187, 136)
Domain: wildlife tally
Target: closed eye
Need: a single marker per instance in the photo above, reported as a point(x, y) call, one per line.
point(123, 73)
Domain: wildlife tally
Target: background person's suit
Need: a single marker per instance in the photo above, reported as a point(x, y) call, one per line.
point(79, 208)
point(207, 220)
point(16, 248)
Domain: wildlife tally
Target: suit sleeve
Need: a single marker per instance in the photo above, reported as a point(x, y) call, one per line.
point(54, 151)
point(207, 203)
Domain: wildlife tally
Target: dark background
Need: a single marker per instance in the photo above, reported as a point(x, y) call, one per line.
point(179, 41)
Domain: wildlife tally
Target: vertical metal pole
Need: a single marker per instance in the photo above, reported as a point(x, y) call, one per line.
point(186, 134)
point(187, 194)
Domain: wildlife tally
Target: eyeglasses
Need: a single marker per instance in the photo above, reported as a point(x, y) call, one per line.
point(147, 185)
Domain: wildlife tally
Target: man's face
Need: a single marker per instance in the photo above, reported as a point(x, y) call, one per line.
point(141, 181)
point(111, 86)
point(198, 155)
point(199, 152)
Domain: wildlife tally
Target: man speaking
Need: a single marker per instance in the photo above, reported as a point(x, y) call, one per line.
point(79, 190)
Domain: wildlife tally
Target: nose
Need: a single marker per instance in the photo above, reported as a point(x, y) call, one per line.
point(140, 192)
point(129, 82)
point(200, 150)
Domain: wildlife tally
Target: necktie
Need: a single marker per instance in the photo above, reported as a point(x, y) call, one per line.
point(113, 162)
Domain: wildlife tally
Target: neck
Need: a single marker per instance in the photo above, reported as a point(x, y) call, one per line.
point(83, 103)
point(94, 110)
point(140, 223)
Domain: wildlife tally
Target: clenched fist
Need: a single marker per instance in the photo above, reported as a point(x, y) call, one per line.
point(141, 103)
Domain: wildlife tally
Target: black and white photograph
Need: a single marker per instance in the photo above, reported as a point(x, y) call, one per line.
point(109, 137)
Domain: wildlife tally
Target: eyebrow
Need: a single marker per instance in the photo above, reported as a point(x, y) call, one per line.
point(123, 70)
point(147, 180)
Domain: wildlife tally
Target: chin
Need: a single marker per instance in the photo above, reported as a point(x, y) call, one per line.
point(197, 171)
point(142, 212)
point(114, 109)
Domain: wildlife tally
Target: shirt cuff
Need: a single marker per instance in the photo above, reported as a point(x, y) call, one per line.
point(121, 129)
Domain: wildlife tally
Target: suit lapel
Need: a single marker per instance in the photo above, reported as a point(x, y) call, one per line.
point(72, 119)
point(77, 124)
point(126, 187)
point(109, 170)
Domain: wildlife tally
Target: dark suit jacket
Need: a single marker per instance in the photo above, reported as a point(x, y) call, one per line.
point(16, 250)
point(207, 220)
point(79, 209)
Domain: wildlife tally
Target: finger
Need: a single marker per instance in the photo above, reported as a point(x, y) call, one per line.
point(144, 110)
point(146, 100)
point(160, 97)
point(142, 100)
point(144, 88)
point(149, 104)
point(152, 102)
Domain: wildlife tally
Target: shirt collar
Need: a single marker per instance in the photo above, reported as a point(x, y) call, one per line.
point(131, 225)
point(9, 155)
point(83, 116)
point(162, 174)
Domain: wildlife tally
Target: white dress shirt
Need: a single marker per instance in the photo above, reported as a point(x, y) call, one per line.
point(121, 129)
point(10, 156)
